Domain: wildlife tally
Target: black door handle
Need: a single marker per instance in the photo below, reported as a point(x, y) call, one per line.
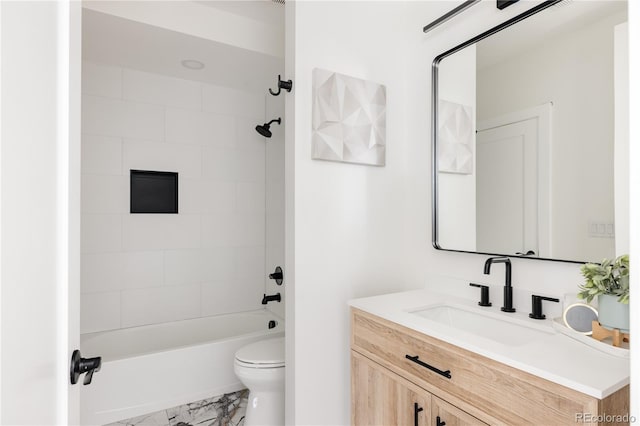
point(416, 410)
point(439, 422)
point(81, 365)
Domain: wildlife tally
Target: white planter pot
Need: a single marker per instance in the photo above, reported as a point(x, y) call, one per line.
point(613, 314)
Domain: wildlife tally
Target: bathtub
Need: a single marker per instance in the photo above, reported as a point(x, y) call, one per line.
point(155, 367)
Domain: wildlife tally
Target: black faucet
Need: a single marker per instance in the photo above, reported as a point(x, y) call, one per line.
point(507, 305)
point(274, 298)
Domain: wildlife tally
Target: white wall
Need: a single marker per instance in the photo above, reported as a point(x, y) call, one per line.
point(39, 262)
point(580, 85)
point(348, 218)
point(359, 231)
point(210, 258)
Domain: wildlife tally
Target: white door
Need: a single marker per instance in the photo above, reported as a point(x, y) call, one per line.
point(506, 188)
point(39, 210)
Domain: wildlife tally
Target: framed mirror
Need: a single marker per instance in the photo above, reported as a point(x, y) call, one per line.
point(529, 143)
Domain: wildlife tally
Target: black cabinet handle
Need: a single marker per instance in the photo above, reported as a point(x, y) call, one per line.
point(439, 422)
point(415, 359)
point(416, 410)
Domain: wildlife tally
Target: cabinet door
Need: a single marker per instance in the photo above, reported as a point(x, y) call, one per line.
point(380, 397)
point(445, 414)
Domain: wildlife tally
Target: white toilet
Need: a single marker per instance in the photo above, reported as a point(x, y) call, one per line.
point(260, 367)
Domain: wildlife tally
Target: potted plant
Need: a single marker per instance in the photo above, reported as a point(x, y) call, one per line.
point(609, 281)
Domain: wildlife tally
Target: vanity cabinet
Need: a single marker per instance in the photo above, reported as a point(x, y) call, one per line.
point(384, 398)
point(394, 367)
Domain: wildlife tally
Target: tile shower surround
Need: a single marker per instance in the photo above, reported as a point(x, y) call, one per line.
point(210, 258)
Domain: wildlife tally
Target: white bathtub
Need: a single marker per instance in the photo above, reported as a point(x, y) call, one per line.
point(155, 367)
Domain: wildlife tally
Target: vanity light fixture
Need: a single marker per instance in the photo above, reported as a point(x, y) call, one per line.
point(453, 12)
point(501, 4)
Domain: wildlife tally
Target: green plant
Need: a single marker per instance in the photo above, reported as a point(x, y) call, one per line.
point(609, 277)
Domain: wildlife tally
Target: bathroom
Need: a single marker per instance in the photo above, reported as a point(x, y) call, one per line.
point(350, 231)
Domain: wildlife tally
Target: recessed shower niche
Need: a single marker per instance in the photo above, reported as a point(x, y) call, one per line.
point(153, 192)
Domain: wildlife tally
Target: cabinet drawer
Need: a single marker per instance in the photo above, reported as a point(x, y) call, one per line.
point(474, 383)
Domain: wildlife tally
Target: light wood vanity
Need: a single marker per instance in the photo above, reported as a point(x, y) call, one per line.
point(449, 385)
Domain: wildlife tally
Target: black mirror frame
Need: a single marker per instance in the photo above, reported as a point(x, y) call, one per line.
point(434, 126)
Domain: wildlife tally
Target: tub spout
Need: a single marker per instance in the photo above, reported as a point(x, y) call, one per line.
point(273, 298)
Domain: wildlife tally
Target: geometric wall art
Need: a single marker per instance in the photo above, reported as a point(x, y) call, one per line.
point(349, 119)
point(455, 138)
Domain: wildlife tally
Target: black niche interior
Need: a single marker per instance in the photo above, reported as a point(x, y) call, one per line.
point(154, 192)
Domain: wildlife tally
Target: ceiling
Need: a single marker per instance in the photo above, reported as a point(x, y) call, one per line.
point(111, 40)
point(265, 11)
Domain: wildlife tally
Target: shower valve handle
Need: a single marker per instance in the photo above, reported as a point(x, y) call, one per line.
point(277, 275)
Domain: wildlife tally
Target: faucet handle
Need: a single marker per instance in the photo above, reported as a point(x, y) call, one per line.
point(536, 306)
point(484, 294)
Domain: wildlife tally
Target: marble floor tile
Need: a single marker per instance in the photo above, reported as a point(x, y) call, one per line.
point(224, 410)
point(158, 418)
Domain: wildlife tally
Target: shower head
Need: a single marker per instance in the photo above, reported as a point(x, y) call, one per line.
point(264, 128)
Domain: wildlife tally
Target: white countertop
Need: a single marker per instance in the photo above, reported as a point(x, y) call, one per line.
point(555, 357)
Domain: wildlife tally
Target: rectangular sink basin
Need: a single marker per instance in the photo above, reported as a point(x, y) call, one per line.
point(501, 331)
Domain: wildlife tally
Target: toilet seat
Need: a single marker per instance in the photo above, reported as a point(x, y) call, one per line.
point(263, 354)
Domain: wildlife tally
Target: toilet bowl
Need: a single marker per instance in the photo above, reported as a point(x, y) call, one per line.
point(260, 367)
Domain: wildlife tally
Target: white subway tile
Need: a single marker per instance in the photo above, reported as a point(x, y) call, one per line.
point(249, 228)
point(142, 269)
point(101, 116)
point(112, 117)
point(218, 229)
point(101, 233)
point(101, 80)
point(161, 231)
point(204, 196)
point(101, 155)
point(101, 272)
point(142, 121)
point(275, 228)
point(218, 196)
point(183, 267)
point(160, 304)
point(275, 161)
point(219, 264)
point(158, 89)
point(250, 264)
point(183, 159)
point(231, 296)
point(190, 195)
point(99, 312)
point(275, 197)
point(224, 100)
point(104, 194)
point(251, 197)
point(219, 164)
point(248, 137)
point(201, 128)
point(250, 165)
